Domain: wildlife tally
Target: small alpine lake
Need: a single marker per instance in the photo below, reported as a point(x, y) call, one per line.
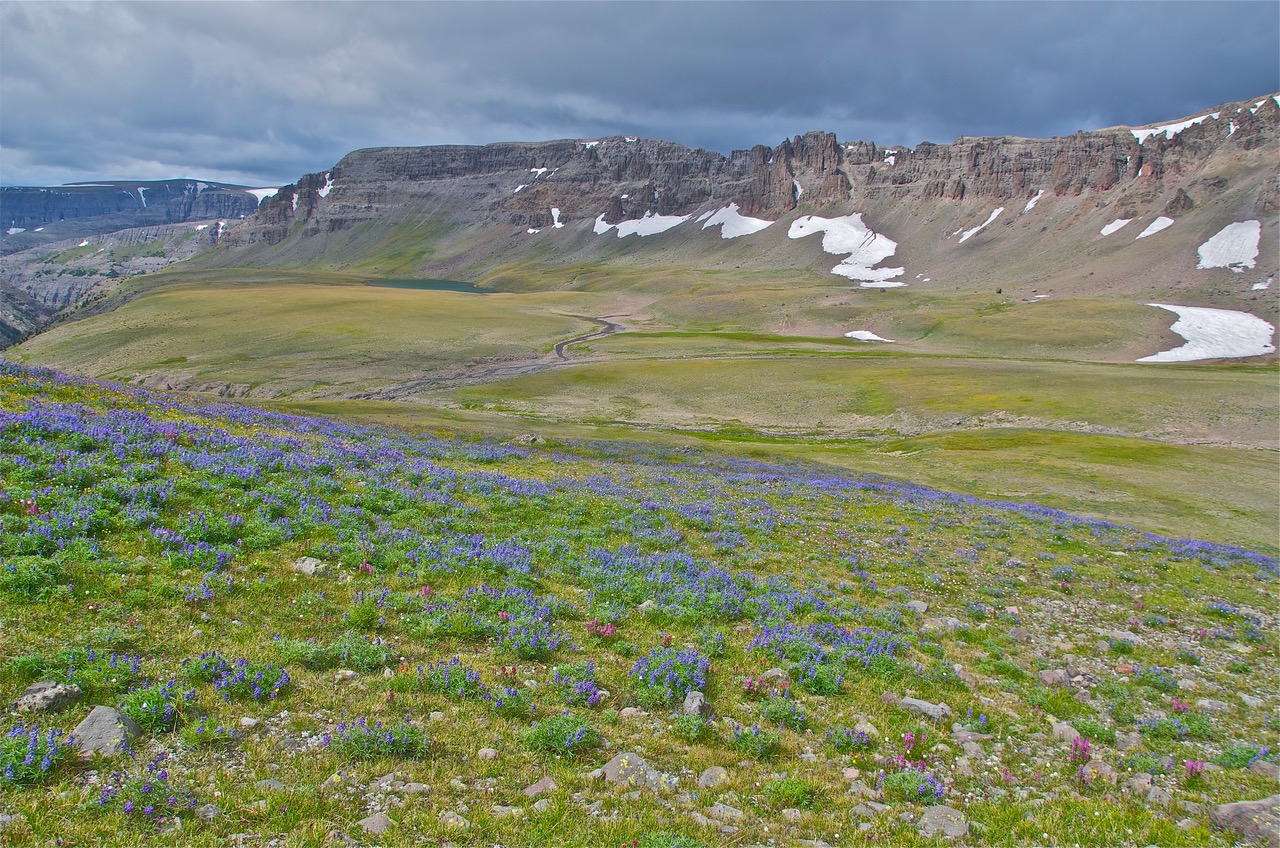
point(428, 285)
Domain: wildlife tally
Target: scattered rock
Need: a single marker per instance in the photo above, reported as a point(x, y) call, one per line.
point(723, 812)
point(695, 704)
point(376, 823)
point(918, 606)
point(1128, 741)
point(937, 712)
point(941, 624)
point(501, 812)
point(528, 440)
point(1101, 771)
point(791, 814)
point(1019, 634)
point(105, 731)
point(1138, 784)
point(632, 712)
point(1055, 677)
point(487, 753)
point(208, 812)
point(630, 769)
point(950, 822)
point(1062, 730)
point(344, 675)
point(1252, 702)
point(1252, 820)
point(249, 723)
point(332, 840)
point(541, 805)
point(546, 784)
point(861, 790)
point(713, 777)
point(311, 567)
point(338, 780)
point(451, 819)
point(413, 788)
point(270, 785)
point(646, 606)
point(47, 696)
point(1158, 797)
point(776, 677)
point(1268, 769)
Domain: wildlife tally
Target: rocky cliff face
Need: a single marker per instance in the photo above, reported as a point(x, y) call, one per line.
point(517, 184)
point(31, 216)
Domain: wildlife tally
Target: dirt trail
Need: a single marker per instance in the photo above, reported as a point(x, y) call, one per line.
point(483, 372)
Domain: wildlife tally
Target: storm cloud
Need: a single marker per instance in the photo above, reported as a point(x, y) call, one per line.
point(259, 93)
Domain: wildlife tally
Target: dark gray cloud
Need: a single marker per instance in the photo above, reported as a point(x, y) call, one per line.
point(262, 92)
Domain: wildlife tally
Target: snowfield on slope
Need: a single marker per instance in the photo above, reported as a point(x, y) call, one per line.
point(968, 234)
point(1235, 246)
point(1215, 334)
point(649, 225)
point(1161, 223)
point(733, 224)
point(865, 336)
point(866, 248)
point(1170, 130)
point(1114, 225)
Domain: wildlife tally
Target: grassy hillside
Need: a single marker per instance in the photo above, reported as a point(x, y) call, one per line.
point(481, 616)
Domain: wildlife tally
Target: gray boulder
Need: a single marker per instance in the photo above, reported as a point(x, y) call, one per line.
point(311, 567)
point(630, 769)
point(712, 777)
point(105, 731)
point(944, 820)
point(47, 696)
point(937, 712)
point(376, 823)
point(1252, 820)
point(696, 704)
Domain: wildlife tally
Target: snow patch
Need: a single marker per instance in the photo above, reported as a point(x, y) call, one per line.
point(13, 231)
point(1170, 130)
point(222, 225)
point(891, 156)
point(1031, 204)
point(38, 230)
point(200, 227)
point(520, 187)
point(590, 144)
point(732, 224)
point(142, 195)
point(1161, 223)
point(631, 139)
point(531, 231)
point(537, 172)
point(1215, 334)
point(1114, 225)
point(968, 234)
point(84, 243)
point(1235, 247)
point(295, 200)
point(328, 186)
point(263, 193)
point(799, 189)
point(1264, 285)
point(704, 216)
point(865, 336)
point(866, 248)
point(1231, 127)
point(555, 218)
point(649, 225)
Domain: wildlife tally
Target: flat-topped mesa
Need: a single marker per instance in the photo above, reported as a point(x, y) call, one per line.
point(517, 184)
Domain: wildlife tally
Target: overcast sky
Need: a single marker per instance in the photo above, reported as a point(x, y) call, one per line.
point(261, 92)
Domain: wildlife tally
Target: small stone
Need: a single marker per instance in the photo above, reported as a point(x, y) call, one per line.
point(249, 723)
point(861, 790)
point(646, 606)
point(436, 715)
point(458, 784)
point(963, 767)
point(1265, 768)
point(106, 731)
point(487, 754)
point(270, 785)
point(941, 624)
point(47, 696)
point(791, 814)
point(937, 712)
point(1186, 684)
point(713, 777)
point(695, 704)
point(632, 712)
point(415, 788)
point(1063, 730)
point(1138, 784)
point(338, 780)
point(501, 812)
point(311, 567)
point(541, 805)
point(1054, 677)
point(332, 840)
point(208, 812)
point(1128, 741)
point(918, 607)
point(451, 819)
point(1019, 634)
point(723, 812)
point(1186, 824)
point(376, 823)
point(851, 773)
point(1252, 702)
point(776, 677)
point(950, 822)
point(1158, 797)
point(344, 675)
point(546, 784)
